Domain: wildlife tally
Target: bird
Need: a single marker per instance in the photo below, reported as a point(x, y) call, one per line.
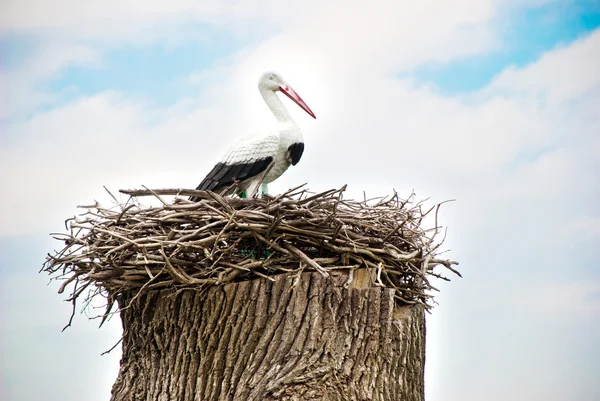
point(255, 161)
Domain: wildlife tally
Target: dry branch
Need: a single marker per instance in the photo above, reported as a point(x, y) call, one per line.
point(222, 239)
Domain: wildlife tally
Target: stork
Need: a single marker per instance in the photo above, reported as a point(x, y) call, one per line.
point(258, 160)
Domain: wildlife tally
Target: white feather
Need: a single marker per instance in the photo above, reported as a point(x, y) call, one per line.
point(251, 149)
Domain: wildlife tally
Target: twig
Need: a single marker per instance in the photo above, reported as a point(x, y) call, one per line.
point(220, 239)
point(302, 256)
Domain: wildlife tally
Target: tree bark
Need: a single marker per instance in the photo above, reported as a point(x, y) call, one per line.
point(270, 340)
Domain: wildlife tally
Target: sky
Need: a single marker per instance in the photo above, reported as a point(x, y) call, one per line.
point(493, 103)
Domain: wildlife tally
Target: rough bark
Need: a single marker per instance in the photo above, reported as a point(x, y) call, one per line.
point(263, 340)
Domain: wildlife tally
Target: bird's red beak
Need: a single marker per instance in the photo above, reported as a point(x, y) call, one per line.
point(289, 92)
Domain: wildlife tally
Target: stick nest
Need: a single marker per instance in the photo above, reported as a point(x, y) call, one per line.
point(220, 240)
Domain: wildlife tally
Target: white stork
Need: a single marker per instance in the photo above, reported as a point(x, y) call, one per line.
point(263, 158)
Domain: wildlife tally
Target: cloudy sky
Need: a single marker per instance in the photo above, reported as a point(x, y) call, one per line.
point(494, 103)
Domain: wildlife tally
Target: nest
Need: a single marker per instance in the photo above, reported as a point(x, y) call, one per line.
point(132, 248)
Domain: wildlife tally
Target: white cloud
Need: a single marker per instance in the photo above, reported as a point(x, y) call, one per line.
point(584, 227)
point(140, 21)
point(19, 84)
point(338, 40)
point(575, 301)
point(72, 14)
point(558, 76)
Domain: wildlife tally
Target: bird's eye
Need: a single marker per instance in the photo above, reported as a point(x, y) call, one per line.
point(271, 76)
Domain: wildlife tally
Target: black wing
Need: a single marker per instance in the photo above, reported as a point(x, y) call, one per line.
point(223, 175)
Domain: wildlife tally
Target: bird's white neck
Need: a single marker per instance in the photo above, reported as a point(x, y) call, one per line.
point(276, 105)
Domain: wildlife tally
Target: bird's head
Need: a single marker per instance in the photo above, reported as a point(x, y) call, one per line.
point(274, 82)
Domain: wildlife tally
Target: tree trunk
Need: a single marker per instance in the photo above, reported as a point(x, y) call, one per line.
point(271, 340)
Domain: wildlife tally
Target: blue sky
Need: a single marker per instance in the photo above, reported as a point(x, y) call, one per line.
point(525, 36)
point(157, 70)
point(492, 103)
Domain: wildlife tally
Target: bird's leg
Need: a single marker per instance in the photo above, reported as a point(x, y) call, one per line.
point(257, 185)
point(253, 190)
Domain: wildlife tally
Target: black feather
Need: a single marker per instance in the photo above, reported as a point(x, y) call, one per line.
point(258, 168)
point(295, 152)
point(220, 173)
point(224, 175)
point(245, 171)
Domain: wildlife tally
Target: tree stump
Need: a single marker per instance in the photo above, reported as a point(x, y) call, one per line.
point(320, 339)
